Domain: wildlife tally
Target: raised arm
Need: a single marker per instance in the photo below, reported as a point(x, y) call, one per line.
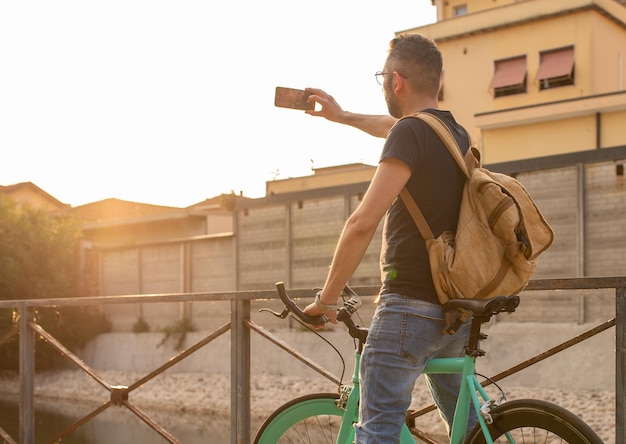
point(375, 125)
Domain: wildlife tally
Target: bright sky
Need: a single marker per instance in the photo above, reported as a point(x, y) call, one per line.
point(172, 102)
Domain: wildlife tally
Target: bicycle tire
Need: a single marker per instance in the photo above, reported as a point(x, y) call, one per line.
point(534, 421)
point(313, 418)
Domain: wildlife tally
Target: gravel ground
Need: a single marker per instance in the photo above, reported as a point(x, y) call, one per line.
point(210, 394)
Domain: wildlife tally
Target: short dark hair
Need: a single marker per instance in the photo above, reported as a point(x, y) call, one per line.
point(418, 59)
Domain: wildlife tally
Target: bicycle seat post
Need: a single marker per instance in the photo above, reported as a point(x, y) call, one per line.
point(481, 311)
point(472, 348)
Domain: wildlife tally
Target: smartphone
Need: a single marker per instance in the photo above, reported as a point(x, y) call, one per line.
point(292, 98)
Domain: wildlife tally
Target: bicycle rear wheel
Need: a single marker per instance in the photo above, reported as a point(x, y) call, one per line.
point(535, 421)
point(309, 419)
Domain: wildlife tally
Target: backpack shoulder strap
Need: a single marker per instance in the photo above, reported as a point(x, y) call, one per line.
point(441, 129)
point(416, 214)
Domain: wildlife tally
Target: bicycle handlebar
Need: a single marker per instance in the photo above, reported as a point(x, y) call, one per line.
point(291, 306)
point(350, 306)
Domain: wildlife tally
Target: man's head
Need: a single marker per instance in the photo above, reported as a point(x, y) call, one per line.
point(416, 61)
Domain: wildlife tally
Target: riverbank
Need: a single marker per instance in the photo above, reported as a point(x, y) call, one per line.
point(191, 394)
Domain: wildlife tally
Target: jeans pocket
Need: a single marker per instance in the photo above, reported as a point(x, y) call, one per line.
point(420, 337)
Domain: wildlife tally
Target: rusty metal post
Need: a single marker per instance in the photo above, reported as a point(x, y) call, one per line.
point(620, 364)
point(27, 377)
point(240, 372)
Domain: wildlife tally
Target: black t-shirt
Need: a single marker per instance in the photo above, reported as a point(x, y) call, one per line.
point(436, 184)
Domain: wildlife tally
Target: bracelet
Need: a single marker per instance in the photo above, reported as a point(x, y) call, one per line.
point(322, 306)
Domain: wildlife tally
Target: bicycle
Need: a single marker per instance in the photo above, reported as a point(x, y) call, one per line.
point(330, 417)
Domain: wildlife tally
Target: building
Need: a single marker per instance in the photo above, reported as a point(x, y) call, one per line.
point(534, 78)
point(27, 193)
point(142, 248)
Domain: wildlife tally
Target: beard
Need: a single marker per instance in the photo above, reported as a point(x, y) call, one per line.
point(392, 104)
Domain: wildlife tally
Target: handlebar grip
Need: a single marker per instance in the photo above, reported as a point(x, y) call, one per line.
point(290, 303)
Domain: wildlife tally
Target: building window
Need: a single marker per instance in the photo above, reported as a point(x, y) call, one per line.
point(460, 10)
point(556, 68)
point(509, 77)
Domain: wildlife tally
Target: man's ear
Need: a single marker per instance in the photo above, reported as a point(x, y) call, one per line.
point(399, 82)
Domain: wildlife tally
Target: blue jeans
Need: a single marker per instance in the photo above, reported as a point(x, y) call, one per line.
point(404, 335)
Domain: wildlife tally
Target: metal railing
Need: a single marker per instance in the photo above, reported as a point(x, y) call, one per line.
point(241, 326)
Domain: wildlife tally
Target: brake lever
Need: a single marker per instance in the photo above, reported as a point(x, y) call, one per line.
point(282, 315)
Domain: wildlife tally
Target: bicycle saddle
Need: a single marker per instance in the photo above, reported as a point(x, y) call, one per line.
point(482, 307)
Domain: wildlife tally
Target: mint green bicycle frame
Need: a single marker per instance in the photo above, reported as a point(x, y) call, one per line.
point(347, 406)
point(535, 415)
point(469, 389)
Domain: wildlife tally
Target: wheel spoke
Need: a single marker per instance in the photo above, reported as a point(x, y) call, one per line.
point(535, 422)
point(310, 419)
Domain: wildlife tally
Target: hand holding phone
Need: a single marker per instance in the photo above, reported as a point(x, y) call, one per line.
point(292, 98)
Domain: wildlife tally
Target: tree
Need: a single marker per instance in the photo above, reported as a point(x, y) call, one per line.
point(39, 253)
point(39, 258)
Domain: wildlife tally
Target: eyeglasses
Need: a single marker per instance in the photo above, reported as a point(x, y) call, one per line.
point(380, 76)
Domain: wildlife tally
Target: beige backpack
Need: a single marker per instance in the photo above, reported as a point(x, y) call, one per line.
point(499, 236)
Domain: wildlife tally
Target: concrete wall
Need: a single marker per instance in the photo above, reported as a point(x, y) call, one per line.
point(512, 339)
point(589, 365)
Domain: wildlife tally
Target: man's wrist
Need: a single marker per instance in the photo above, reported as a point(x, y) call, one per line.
point(322, 306)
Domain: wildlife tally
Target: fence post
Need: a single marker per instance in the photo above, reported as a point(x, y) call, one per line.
point(620, 364)
point(240, 372)
point(27, 376)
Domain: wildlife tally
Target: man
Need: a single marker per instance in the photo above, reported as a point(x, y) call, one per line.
point(407, 328)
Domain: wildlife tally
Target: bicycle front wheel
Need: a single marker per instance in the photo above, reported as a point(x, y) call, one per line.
point(309, 419)
point(535, 421)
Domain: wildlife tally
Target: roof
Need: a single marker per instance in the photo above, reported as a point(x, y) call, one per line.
point(31, 187)
point(223, 202)
point(116, 209)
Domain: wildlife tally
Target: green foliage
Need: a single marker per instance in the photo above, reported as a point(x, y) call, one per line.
point(72, 326)
point(141, 326)
point(39, 258)
point(39, 253)
point(179, 330)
